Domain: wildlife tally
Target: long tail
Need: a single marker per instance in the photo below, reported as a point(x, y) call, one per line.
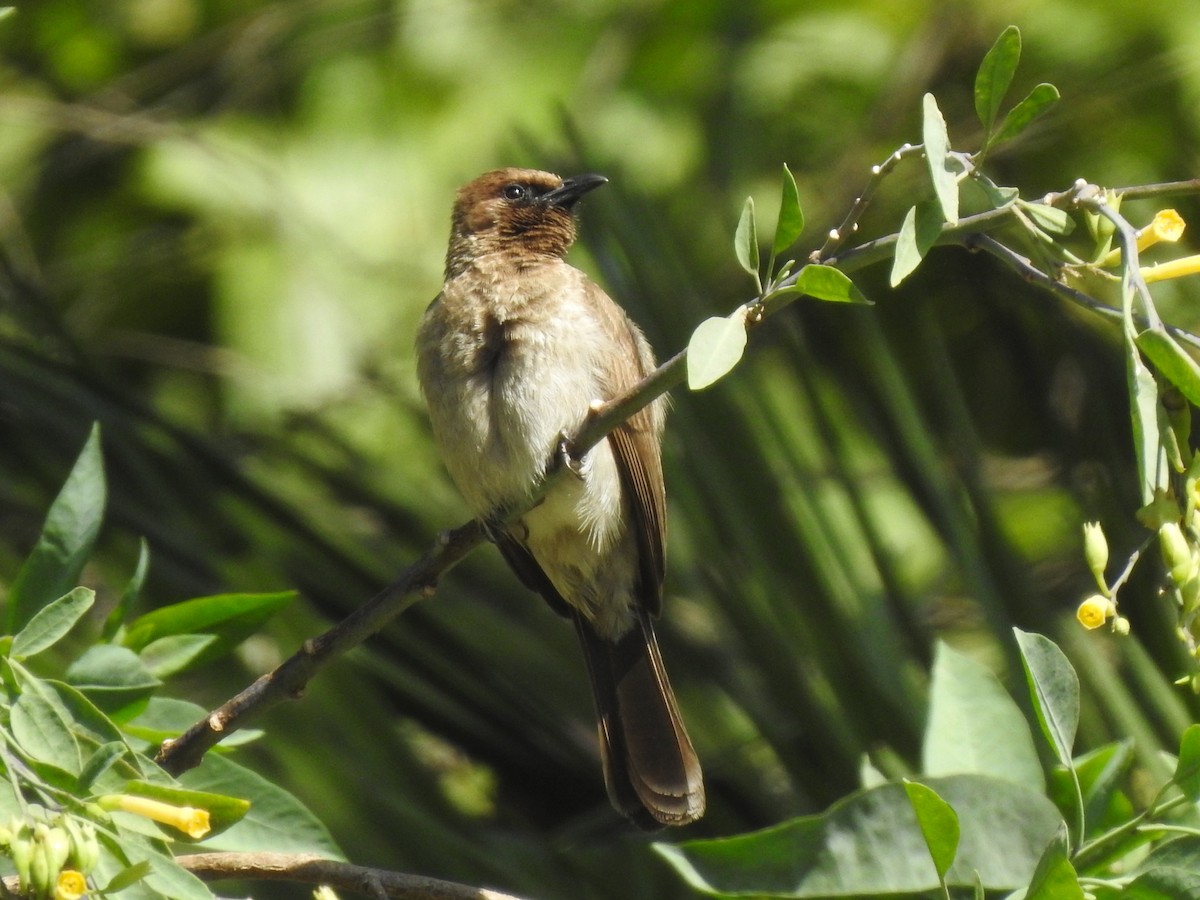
point(650, 768)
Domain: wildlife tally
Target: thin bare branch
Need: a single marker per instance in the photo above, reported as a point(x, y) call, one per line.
point(310, 869)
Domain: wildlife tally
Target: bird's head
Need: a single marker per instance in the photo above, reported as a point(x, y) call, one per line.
point(523, 214)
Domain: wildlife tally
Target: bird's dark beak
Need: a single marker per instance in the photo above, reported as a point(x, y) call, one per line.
point(566, 194)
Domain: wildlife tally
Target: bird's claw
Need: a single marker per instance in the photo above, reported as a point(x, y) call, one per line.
point(567, 457)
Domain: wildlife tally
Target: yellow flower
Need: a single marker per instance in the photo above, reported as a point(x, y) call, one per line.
point(1167, 226)
point(191, 821)
point(1093, 612)
point(1175, 268)
point(71, 885)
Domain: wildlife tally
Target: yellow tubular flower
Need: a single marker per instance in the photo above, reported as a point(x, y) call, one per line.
point(1093, 612)
point(191, 821)
point(1167, 226)
point(1175, 268)
point(71, 885)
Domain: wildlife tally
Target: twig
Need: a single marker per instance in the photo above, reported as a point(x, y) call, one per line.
point(290, 678)
point(838, 236)
point(311, 869)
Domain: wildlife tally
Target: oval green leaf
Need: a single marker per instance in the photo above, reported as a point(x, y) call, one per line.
point(1175, 364)
point(937, 150)
point(791, 216)
point(68, 534)
point(715, 347)
point(745, 240)
point(51, 623)
point(975, 726)
point(827, 283)
point(1187, 770)
point(938, 823)
point(921, 228)
point(1054, 689)
point(870, 845)
point(995, 75)
point(1040, 99)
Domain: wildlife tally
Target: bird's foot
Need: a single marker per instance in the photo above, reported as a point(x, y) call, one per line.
point(567, 456)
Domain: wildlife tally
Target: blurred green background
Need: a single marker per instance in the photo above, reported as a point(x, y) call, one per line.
point(220, 222)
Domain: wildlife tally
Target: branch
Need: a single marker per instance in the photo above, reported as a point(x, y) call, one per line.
point(311, 869)
point(421, 578)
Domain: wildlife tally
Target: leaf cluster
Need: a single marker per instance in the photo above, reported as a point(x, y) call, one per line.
point(82, 710)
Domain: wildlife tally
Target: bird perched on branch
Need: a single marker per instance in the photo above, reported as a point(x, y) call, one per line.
point(511, 356)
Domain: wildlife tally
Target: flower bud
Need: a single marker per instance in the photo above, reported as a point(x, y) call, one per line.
point(1095, 551)
point(58, 848)
point(41, 879)
point(1120, 625)
point(1176, 552)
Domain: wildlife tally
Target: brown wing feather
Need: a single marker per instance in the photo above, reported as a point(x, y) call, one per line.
point(636, 446)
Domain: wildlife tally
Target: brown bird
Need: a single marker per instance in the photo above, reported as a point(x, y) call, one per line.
point(511, 356)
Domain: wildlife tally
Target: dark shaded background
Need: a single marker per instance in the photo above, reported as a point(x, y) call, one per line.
point(220, 221)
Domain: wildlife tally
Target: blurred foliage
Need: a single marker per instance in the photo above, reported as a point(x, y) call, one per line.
point(219, 223)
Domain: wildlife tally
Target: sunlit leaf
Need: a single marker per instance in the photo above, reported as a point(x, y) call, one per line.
point(1175, 363)
point(995, 75)
point(791, 216)
point(827, 283)
point(1040, 99)
point(938, 823)
point(920, 230)
point(1054, 689)
point(870, 845)
point(1055, 878)
point(937, 149)
point(715, 348)
point(132, 591)
point(975, 726)
point(1187, 770)
point(1053, 221)
point(745, 239)
point(51, 623)
point(71, 526)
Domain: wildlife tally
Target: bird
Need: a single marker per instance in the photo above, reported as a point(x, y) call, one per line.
point(513, 355)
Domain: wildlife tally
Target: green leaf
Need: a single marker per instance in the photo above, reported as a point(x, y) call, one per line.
point(102, 759)
point(111, 677)
point(938, 824)
point(42, 728)
point(1187, 770)
point(1050, 219)
point(791, 216)
point(1055, 878)
point(167, 717)
point(51, 623)
point(920, 230)
point(1101, 773)
point(745, 240)
point(276, 821)
point(995, 75)
point(1054, 689)
point(175, 653)
point(1040, 99)
point(53, 566)
point(869, 844)
point(166, 877)
point(223, 810)
point(231, 617)
point(715, 347)
point(937, 150)
point(126, 877)
point(974, 726)
point(1175, 364)
point(1144, 408)
point(130, 595)
point(827, 283)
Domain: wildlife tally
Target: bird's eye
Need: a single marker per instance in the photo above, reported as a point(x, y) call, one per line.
point(515, 192)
